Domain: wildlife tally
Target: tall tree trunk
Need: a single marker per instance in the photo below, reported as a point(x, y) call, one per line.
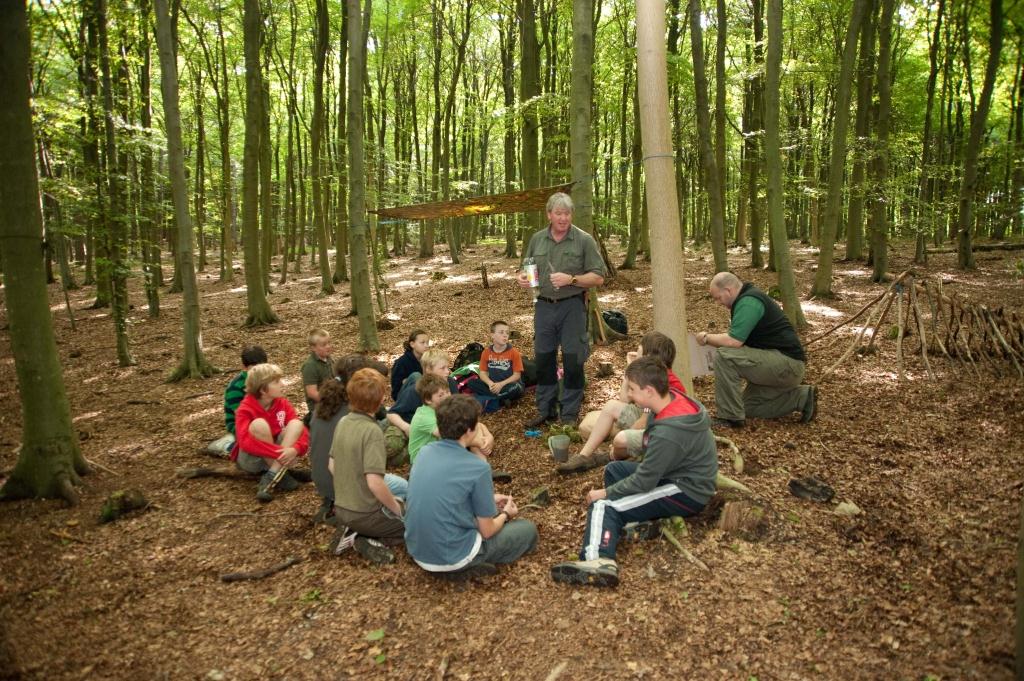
point(529, 90)
point(667, 275)
point(49, 462)
point(837, 157)
point(754, 150)
point(259, 309)
point(862, 129)
point(200, 181)
point(147, 227)
point(193, 362)
point(969, 184)
point(773, 159)
point(318, 167)
point(635, 200)
point(118, 267)
point(581, 91)
point(507, 42)
point(720, 157)
point(357, 179)
point(341, 167)
point(227, 245)
point(925, 213)
point(707, 154)
point(881, 196)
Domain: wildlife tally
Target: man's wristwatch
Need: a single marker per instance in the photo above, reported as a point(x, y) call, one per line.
point(572, 282)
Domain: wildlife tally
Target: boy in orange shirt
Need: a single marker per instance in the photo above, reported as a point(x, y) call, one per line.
point(501, 368)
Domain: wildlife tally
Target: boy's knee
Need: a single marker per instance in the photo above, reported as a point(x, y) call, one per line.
point(613, 408)
point(260, 429)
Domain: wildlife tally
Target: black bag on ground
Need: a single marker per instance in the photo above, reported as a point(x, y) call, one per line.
point(468, 355)
point(616, 320)
point(529, 372)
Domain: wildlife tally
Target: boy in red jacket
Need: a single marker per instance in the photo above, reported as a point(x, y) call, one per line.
point(270, 436)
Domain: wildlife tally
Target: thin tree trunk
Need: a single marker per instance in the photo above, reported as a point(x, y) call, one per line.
point(969, 184)
point(318, 167)
point(880, 201)
point(862, 130)
point(837, 157)
point(529, 90)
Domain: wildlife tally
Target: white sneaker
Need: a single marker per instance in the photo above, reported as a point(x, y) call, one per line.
point(222, 446)
point(343, 540)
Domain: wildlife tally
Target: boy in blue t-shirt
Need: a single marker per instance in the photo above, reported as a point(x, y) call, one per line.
point(455, 525)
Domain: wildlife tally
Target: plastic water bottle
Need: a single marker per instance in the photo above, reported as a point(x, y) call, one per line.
point(533, 276)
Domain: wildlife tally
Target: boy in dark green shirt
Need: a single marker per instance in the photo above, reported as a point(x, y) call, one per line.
point(233, 394)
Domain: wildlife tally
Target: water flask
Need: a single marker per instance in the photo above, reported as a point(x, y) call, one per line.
point(533, 276)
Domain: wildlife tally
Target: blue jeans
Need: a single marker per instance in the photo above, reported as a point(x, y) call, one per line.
point(399, 486)
point(605, 518)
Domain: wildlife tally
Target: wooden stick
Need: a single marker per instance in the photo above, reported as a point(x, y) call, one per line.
point(856, 341)
point(665, 532)
point(60, 534)
point(483, 275)
point(899, 335)
point(259, 574)
point(250, 515)
point(600, 325)
point(849, 319)
point(999, 335)
point(101, 467)
point(881, 320)
point(202, 394)
point(234, 473)
point(920, 330)
point(737, 459)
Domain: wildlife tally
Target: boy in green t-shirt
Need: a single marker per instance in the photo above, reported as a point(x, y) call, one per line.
point(423, 428)
point(233, 394)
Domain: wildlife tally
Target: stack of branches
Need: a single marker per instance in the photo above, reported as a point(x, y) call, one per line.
point(962, 331)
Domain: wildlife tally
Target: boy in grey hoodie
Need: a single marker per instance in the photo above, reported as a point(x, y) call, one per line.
point(675, 477)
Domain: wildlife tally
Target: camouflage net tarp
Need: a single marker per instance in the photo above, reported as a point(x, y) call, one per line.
point(496, 204)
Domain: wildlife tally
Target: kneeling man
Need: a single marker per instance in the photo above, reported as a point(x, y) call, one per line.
point(762, 348)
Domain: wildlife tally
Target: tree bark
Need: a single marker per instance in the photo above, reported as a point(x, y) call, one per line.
point(147, 227)
point(259, 309)
point(667, 275)
point(837, 157)
point(969, 183)
point(862, 129)
point(707, 154)
point(773, 158)
point(357, 180)
point(529, 90)
point(49, 461)
point(193, 362)
point(881, 197)
point(318, 167)
point(581, 91)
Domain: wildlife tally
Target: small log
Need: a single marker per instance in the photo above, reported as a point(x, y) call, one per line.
point(483, 275)
point(921, 330)
point(226, 472)
point(121, 503)
point(899, 335)
point(259, 574)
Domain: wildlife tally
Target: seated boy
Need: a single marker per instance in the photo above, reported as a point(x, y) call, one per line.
point(621, 418)
point(270, 434)
point(455, 524)
point(233, 394)
point(432, 390)
point(675, 478)
point(365, 506)
point(396, 433)
point(501, 368)
point(317, 368)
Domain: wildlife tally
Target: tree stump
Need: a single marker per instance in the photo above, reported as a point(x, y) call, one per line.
point(743, 518)
point(483, 275)
point(120, 503)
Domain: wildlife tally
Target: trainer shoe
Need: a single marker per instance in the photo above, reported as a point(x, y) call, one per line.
point(263, 491)
point(325, 514)
point(578, 463)
point(539, 420)
point(569, 419)
point(598, 572)
point(300, 474)
point(374, 551)
point(810, 409)
point(645, 529)
point(343, 540)
point(469, 573)
point(717, 422)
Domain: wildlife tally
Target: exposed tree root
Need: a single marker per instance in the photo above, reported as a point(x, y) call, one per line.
point(722, 482)
point(737, 458)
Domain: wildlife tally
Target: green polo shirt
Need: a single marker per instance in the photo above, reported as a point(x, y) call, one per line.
point(314, 372)
point(746, 313)
point(575, 254)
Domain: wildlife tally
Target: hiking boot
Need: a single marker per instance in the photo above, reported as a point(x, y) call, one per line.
point(343, 540)
point(539, 420)
point(810, 409)
point(374, 551)
point(599, 572)
point(325, 514)
point(300, 474)
point(578, 463)
point(469, 573)
point(643, 530)
point(727, 423)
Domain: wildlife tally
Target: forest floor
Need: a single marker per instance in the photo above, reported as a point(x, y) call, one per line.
point(919, 586)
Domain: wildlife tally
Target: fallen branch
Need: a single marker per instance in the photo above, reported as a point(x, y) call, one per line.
point(260, 574)
point(667, 533)
point(250, 515)
point(151, 402)
point(64, 535)
point(202, 394)
point(234, 473)
point(101, 467)
point(737, 458)
point(722, 482)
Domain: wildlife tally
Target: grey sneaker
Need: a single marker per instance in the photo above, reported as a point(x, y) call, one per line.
point(374, 551)
point(343, 540)
point(263, 491)
point(598, 572)
point(578, 463)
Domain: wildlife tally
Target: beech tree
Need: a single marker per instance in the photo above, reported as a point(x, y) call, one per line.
point(49, 462)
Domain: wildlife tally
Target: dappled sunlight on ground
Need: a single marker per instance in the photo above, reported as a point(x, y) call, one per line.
point(811, 307)
point(218, 409)
point(86, 416)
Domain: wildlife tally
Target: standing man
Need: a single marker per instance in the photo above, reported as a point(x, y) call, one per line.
point(568, 263)
point(761, 347)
